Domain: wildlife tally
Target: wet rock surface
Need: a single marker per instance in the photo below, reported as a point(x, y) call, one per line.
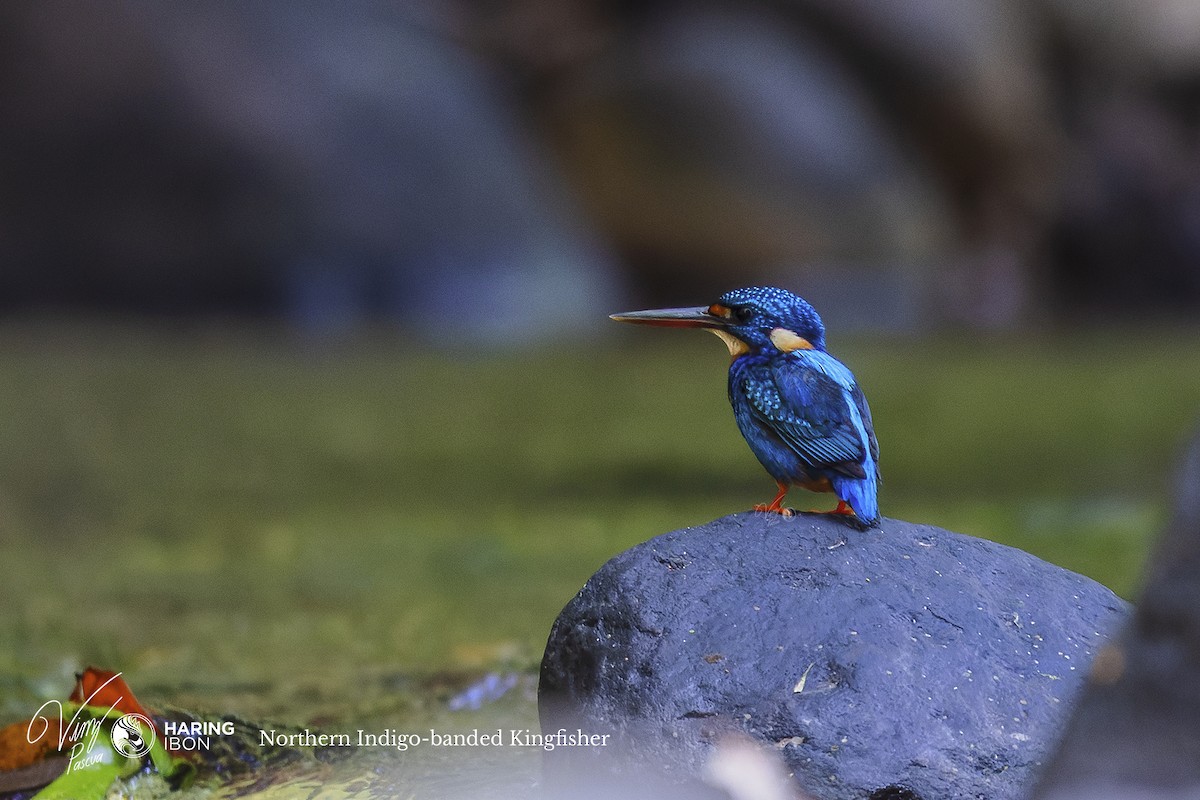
point(907, 656)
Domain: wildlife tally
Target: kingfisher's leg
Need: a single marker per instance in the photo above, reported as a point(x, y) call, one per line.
point(843, 508)
point(776, 506)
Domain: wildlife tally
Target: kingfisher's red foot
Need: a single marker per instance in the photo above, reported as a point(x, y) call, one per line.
point(843, 508)
point(776, 505)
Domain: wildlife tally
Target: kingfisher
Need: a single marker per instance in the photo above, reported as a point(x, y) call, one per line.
point(799, 408)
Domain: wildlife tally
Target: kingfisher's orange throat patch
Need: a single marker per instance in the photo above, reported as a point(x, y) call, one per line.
point(788, 341)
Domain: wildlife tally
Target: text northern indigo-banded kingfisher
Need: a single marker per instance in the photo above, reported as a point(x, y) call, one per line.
point(799, 408)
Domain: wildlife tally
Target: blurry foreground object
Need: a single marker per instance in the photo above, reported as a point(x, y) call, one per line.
point(1136, 733)
point(747, 771)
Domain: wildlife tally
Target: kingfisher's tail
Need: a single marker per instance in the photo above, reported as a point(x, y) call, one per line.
point(860, 493)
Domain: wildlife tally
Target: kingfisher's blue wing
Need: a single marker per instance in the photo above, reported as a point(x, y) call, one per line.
point(808, 405)
point(864, 413)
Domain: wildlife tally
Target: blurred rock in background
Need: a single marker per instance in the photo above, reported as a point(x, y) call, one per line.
point(1133, 735)
point(333, 163)
point(515, 168)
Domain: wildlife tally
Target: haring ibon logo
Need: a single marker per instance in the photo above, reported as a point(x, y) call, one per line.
point(133, 735)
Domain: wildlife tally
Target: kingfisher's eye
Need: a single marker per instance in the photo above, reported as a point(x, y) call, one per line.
point(743, 314)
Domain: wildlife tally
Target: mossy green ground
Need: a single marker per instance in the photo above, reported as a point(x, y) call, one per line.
point(245, 522)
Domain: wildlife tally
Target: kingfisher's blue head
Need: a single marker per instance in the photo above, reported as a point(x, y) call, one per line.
point(752, 320)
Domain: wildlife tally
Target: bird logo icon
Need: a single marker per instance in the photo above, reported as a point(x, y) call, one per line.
point(133, 735)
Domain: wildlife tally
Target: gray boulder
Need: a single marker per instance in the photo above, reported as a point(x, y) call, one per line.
point(905, 656)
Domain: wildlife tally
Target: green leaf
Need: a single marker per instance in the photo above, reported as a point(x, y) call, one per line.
point(91, 771)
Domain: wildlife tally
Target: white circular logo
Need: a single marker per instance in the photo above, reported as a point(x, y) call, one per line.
point(133, 735)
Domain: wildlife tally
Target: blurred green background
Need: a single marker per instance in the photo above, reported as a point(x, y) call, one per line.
point(247, 525)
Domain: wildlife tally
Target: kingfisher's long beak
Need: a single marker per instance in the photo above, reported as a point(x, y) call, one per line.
point(698, 317)
point(714, 318)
